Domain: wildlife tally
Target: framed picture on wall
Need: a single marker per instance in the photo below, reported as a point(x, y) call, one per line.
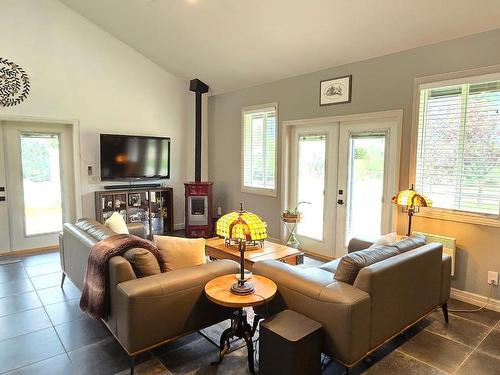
point(335, 90)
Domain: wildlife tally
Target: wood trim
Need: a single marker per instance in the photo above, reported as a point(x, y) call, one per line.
point(319, 256)
point(36, 250)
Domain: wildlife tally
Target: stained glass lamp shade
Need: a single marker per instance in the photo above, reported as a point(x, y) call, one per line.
point(242, 225)
point(411, 201)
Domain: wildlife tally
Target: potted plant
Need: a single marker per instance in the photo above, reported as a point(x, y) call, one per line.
point(293, 216)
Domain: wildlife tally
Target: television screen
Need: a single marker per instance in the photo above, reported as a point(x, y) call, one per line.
point(134, 157)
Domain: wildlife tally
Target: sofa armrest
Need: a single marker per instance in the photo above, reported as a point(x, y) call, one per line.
point(156, 308)
point(445, 278)
point(342, 309)
point(356, 244)
point(137, 229)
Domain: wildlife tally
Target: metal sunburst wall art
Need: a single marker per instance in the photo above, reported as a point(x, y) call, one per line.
point(14, 83)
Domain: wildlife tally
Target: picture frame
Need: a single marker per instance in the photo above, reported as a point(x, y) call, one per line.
point(335, 90)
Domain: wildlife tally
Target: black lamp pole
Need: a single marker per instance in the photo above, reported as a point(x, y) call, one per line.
point(241, 281)
point(410, 215)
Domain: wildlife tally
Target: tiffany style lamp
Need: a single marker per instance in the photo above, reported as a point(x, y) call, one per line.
point(242, 228)
point(411, 201)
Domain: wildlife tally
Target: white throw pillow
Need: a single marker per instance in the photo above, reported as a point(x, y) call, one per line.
point(116, 223)
point(386, 239)
point(181, 252)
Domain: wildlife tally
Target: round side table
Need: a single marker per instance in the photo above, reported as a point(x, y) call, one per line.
point(218, 291)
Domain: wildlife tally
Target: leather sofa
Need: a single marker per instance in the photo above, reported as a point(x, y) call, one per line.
point(385, 298)
point(145, 312)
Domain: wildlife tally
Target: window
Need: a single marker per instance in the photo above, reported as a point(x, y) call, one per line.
point(259, 150)
point(458, 145)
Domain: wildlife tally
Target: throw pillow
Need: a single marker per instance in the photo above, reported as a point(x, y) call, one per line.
point(350, 264)
point(143, 262)
point(410, 243)
point(116, 223)
point(181, 252)
point(386, 239)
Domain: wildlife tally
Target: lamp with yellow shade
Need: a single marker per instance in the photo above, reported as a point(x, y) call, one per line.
point(411, 201)
point(241, 228)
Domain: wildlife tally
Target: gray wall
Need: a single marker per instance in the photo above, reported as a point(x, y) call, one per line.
point(383, 83)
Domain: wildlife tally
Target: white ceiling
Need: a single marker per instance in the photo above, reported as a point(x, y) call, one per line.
point(232, 44)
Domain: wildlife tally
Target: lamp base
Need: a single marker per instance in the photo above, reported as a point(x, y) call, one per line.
point(242, 289)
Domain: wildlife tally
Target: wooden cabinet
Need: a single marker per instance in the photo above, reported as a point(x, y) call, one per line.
point(152, 207)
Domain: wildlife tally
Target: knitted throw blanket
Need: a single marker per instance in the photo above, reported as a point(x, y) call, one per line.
point(95, 298)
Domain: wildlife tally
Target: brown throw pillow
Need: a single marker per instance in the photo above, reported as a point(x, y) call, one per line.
point(143, 262)
point(410, 243)
point(350, 264)
point(181, 252)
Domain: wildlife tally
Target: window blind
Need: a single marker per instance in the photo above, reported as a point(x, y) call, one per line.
point(259, 149)
point(458, 147)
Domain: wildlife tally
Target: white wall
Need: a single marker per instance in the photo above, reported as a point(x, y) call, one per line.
point(78, 71)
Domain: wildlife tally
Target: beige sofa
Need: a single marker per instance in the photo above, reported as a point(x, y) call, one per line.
point(385, 298)
point(145, 312)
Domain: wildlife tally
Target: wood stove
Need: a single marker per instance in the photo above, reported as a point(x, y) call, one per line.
point(198, 209)
point(198, 194)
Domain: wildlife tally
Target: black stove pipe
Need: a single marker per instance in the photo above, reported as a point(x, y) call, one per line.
point(199, 88)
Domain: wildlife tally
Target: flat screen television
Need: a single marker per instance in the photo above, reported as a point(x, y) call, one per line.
point(128, 157)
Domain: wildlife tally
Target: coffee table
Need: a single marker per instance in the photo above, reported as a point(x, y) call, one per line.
point(215, 248)
point(218, 291)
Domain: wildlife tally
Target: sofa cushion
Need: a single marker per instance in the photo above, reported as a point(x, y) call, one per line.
point(143, 262)
point(331, 266)
point(350, 264)
point(181, 252)
point(94, 229)
point(117, 224)
point(410, 243)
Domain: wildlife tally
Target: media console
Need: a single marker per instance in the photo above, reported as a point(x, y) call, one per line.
point(151, 206)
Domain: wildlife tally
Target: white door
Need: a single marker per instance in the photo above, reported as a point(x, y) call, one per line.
point(40, 189)
point(4, 209)
point(345, 174)
point(367, 180)
point(314, 151)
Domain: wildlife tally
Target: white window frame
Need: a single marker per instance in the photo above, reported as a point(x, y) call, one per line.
point(448, 79)
point(252, 189)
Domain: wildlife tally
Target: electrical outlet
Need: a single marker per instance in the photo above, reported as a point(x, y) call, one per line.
point(492, 278)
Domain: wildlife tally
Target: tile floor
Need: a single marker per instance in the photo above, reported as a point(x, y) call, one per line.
point(42, 331)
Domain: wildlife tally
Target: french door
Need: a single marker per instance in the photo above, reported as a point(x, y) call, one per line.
point(313, 164)
point(36, 175)
point(342, 177)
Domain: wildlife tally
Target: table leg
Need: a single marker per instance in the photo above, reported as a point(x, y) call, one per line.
point(247, 335)
point(241, 329)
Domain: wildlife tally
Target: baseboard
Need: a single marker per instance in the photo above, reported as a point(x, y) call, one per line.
point(179, 226)
point(36, 250)
point(475, 299)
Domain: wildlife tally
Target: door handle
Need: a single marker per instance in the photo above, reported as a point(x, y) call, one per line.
point(340, 201)
point(2, 199)
point(2, 188)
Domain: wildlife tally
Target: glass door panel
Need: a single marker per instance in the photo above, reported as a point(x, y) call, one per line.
point(311, 185)
point(366, 185)
point(41, 181)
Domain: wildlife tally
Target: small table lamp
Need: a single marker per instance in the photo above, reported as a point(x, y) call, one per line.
point(242, 227)
point(411, 201)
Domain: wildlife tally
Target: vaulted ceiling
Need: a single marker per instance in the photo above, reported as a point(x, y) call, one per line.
point(232, 44)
